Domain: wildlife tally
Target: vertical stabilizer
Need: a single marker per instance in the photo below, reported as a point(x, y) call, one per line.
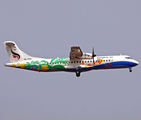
point(14, 53)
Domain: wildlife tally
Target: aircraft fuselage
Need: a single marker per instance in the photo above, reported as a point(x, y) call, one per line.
point(65, 64)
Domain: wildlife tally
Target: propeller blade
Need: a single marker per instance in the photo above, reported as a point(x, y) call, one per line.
point(93, 52)
point(93, 55)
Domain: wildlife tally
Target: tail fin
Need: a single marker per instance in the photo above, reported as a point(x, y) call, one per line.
point(14, 53)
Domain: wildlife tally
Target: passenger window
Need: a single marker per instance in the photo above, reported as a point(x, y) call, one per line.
point(79, 61)
point(71, 61)
point(74, 61)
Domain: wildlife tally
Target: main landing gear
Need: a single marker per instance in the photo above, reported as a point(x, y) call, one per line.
point(78, 73)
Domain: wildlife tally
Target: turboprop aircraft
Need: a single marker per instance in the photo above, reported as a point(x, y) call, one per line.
point(77, 62)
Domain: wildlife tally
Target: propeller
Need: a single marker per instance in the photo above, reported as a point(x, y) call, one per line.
point(93, 55)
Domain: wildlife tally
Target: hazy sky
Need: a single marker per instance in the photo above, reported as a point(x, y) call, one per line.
point(48, 29)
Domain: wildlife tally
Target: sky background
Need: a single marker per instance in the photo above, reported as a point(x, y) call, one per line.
point(48, 29)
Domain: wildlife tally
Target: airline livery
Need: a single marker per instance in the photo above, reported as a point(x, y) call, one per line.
point(77, 62)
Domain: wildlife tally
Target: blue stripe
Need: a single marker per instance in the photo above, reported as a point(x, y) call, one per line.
point(119, 64)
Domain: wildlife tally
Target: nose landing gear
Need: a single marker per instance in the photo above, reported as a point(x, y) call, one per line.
point(130, 69)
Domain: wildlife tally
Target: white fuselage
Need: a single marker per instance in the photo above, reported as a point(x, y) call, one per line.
point(85, 64)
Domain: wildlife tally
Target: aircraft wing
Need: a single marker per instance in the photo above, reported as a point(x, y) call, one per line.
point(76, 52)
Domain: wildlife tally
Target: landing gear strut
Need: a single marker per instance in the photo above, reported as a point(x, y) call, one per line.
point(78, 73)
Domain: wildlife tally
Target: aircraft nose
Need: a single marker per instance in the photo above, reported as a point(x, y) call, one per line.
point(136, 63)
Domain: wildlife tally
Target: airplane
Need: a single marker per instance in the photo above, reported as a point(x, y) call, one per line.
point(77, 62)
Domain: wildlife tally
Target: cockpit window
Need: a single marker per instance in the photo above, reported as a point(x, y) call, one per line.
point(128, 58)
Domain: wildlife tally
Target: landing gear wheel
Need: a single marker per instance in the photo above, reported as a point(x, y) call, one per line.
point(77, 73)
point(130, 70)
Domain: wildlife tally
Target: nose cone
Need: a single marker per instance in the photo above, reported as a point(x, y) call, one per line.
point(136, 63)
